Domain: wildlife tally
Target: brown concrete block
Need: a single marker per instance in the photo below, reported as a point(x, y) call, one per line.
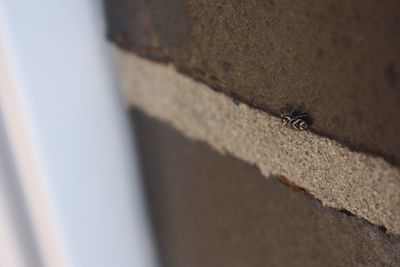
point(214, 210)
point(365, 185)
point(337, 60)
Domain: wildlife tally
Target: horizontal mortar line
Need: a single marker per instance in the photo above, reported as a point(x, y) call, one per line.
point(166, 59)
point(363, 184)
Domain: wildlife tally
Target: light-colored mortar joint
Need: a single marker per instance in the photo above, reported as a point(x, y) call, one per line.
point(364, 185)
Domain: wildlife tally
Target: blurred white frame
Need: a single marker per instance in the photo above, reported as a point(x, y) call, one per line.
point(70, 193)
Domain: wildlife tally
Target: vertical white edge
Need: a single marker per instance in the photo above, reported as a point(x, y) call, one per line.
point(31, 177)
point(69, 136)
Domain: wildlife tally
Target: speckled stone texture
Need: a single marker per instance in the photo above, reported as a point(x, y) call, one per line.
point(364, 185)
point(215, 210)
point(337, 60)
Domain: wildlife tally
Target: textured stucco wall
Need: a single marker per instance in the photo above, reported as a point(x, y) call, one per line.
point(215, 210)
point(218, 72)
point(337, 60)
point(364, 185)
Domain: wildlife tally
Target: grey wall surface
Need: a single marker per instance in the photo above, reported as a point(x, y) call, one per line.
point(214, 210)
point(337, 60)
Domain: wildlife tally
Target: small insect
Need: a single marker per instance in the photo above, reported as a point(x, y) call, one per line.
point(294, 119)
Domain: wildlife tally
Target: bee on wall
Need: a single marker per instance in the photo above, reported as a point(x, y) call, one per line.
point(294, 119)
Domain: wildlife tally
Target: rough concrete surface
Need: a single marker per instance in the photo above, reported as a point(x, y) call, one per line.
point(364, 185)
point(214, 210)
point(337, 60)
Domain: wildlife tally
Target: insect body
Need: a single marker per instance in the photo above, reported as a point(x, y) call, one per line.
point(298, 121)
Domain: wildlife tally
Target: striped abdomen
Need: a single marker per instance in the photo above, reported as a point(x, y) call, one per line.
point(297, 122)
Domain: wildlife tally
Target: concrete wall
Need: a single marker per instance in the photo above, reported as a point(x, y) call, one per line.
point(215, 210)
point(337, 60)
point(219, 72)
